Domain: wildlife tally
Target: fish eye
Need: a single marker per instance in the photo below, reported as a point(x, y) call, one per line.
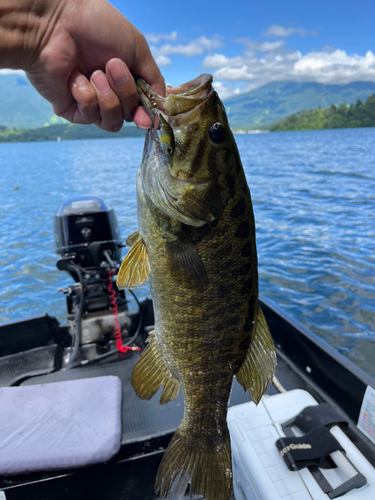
point(217, 133)
point(169, 150)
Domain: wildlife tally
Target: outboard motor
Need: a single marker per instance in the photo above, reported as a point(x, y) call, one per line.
point(85, 228)
point(88, 240)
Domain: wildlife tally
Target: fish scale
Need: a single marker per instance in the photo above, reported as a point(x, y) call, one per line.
point(196, 245)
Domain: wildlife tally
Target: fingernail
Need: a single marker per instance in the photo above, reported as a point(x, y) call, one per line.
point(100, 81)
point(117, 70)
point(141, 128)
point(80, 81)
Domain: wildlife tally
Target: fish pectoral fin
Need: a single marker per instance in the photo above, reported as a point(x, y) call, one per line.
point(135, 268)
point(150, 373)
point(259, 366)
point(132, 238)
point(184, 261)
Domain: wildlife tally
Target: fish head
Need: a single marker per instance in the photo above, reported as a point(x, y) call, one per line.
point(187, 151)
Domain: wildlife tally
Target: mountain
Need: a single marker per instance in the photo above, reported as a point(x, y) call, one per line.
point(277, 100)
point(22, 106)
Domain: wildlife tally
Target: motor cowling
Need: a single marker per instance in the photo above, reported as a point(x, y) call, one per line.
point(85, 226)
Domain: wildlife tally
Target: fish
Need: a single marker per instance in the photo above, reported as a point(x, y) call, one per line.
point(196, 245)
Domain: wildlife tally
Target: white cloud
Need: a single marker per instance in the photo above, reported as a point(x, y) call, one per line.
point(335, 67)
point(221, 61)
point(163, 61)
point(11, 72)
point(157, 37)
point(191, 49)
point(225, 91)
point(277, 30)
point(262, 47)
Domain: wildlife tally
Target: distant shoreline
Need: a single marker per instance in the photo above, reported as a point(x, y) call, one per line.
point(360, 115)
point(64, 132)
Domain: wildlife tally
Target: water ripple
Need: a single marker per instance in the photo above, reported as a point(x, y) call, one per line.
point(314, 203)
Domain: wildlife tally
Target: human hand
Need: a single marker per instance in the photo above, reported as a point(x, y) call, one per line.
point(82, 58)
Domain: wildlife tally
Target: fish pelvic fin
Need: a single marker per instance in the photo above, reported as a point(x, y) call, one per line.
point(260, 363)
point(135, 268)
point(205, 465)
point(150, 373)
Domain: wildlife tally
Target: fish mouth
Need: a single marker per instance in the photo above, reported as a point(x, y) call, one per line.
point(182, 105)
point(179, 100)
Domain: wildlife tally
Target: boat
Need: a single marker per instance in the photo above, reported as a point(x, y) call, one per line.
point(102, 340)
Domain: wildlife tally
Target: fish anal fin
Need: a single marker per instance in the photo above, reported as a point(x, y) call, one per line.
point(135, 268)
point(150, 373)
point(260, 363)
point(196, 461)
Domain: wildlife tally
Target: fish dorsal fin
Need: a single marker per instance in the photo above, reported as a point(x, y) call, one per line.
point(185, 263)
point(259, 366)
point(135, 268)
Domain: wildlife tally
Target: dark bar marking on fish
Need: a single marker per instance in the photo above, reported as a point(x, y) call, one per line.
point(230, 180)
point(243, 230)
point(245, 269)
point(239, 209)
point(198, 234)
point(187, 143)
point(212, 160)
point(244, 344)
point(223, 291)
point(227, 155)
point(232, 308)
point(247, 286)
point(246, 250)
point(234, 320)
point(225, 264)
point(198, 158)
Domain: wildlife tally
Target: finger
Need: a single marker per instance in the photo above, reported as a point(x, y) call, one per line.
point(85, 109)
point(145, 66)
point(124, 87)
point(141, 119)
point(109, 104)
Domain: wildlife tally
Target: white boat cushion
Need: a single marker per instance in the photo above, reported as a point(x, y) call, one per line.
point(59, 425)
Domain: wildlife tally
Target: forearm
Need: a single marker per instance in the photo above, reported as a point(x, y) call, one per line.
point(24, 26)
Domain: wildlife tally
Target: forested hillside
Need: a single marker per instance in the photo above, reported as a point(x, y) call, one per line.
point(356, 115)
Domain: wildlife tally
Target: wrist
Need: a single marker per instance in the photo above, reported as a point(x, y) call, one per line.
point(24, 24)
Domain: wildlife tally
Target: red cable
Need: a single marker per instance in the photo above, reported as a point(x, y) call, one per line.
point(119, 344)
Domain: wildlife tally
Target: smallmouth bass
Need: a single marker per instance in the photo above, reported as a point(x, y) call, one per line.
point(196, 244)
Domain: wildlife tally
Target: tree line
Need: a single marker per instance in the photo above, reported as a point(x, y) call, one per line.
point(360, 114)
point(63, 132)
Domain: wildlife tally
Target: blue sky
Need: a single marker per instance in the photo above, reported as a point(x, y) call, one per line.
point(246, 44)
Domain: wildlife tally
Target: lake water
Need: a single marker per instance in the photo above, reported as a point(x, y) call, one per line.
point(314, 203)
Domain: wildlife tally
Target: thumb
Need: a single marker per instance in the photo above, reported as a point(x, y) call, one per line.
point(144, 65)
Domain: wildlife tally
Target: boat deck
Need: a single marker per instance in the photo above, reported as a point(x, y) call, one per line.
point(147, 427)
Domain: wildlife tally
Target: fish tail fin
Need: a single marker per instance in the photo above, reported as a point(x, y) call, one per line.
point(260, 363)
point(205, 465)
point(150, 373)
